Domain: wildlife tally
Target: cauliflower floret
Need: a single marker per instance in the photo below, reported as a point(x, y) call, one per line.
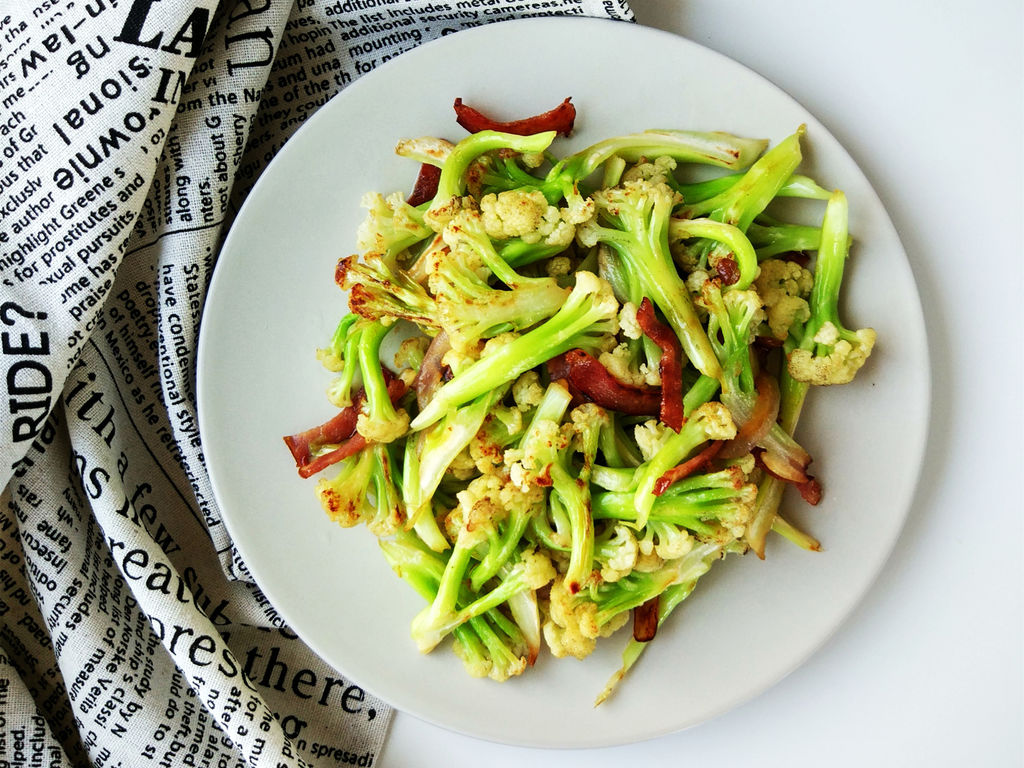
point(513, 213)
point(648, 562)
point(338, 394)
point(784, 287)
point(602, 295)
point(841, 364)
point(747, 302)
point(658, 171)
point(512, 496)
point(628, 323)
point(558, 266)
point(487, 454)
point(695, 282)
point(527, 391)
point(744, 465)
point(736, 522)
point(650, 437)
point(529, 467)
point(538, 571)
point(387, 220)
point(410, 352)
point(476, 666)
point(624, 554)
point(479, 510)
point(458, 359)
point(580, 209)
point(571, 627)
point(666, 541)
point(527, 215)
point(495, 343)
point(383, 431)
point(716, 420)
point(464, 465)
point(618, 360)
point(586, 416)
point(426, 149)
point(555, 229)
point(532, 159)
point(329, 360)
point(439, 214)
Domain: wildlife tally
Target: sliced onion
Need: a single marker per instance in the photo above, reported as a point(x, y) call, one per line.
point(754, 419)
point(428, 378)
point(526, 613)
point(780, 466)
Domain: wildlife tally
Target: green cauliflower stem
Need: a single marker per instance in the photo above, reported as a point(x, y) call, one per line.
point(633, 219)
point(829, 353)
point(711, 421)
point(452, 183)
point(468, 308)
point(378, 421)
point(587, 316)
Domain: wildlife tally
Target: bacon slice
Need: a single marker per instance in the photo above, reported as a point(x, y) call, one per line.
point(340, 429)
point(588, 376)
point(728, 270)
point(670, 366)
point(351, 446)
point(645, 621)
point(425, 187)
point(810, 491)
point(560, 119)
point(688, 467)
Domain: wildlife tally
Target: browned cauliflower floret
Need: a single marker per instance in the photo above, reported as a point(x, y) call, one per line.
point(784, 287)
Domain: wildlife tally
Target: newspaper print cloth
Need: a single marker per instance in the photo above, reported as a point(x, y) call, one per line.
point(130, 132)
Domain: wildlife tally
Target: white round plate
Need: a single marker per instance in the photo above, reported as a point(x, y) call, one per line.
point(273, 301)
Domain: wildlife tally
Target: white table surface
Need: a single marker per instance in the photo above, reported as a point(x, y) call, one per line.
point(927, 97)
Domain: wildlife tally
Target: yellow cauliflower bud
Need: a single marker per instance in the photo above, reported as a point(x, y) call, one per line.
point(383, 431)
point(618, 362)
point(784, 287)
point(512, 213)
point(527, 215)
point(571, 627)
point(716, 420)
point(840, 366)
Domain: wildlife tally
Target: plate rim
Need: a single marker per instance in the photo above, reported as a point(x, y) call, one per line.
point(911, 489)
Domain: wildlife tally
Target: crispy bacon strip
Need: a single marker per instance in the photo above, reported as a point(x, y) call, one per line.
point(426, 185)
point(670, 366)
point(588, 376)
point(560, 119)
point(351, 446)
point(341, 428)
point(645, 621)
point(810, 491)
point(688, 467)
point(728, 269)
